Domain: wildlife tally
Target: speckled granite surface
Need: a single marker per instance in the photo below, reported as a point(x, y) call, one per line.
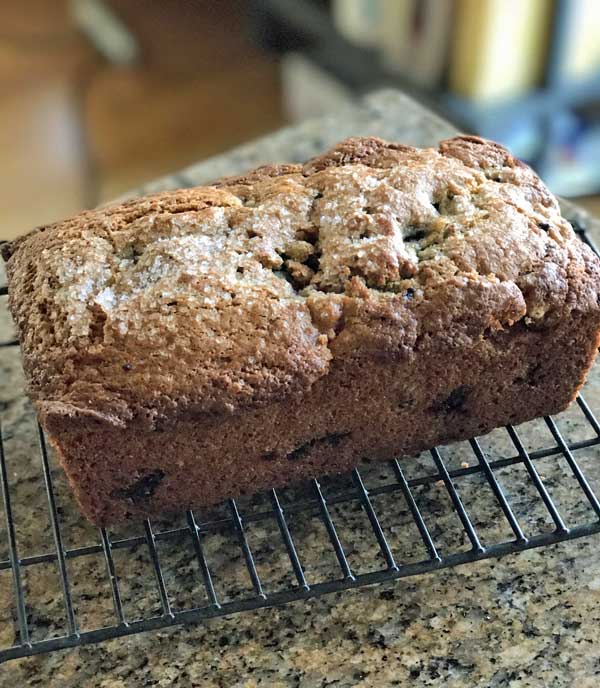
point(529, 619)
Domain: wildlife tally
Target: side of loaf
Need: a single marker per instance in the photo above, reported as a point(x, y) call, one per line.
point(376, 301)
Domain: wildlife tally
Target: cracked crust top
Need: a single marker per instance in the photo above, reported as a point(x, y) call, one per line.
point(219, 297)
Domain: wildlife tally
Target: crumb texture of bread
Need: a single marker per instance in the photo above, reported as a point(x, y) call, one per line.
point(217, 300)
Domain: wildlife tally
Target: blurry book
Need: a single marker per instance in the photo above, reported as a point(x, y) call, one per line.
point(582, 44)
point(307, 90)
point(415, 37)
point(498, 47)
point(359, 21)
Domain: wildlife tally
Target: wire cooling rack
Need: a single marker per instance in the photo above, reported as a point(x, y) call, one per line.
point(64, 583)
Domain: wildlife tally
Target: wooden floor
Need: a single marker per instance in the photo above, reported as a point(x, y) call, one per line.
point(76, 130)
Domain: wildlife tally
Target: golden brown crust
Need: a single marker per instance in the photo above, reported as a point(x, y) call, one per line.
point(242, 293)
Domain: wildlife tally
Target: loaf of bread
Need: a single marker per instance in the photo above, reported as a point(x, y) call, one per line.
point(300, 319)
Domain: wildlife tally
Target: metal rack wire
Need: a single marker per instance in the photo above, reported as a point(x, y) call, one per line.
point(326, 504)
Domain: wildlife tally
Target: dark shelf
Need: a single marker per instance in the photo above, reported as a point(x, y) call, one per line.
point(361, 70)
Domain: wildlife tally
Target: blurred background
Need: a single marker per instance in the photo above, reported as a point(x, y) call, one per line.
point(98, 96)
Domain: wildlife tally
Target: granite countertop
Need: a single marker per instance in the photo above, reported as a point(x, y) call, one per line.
point(529, 619)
